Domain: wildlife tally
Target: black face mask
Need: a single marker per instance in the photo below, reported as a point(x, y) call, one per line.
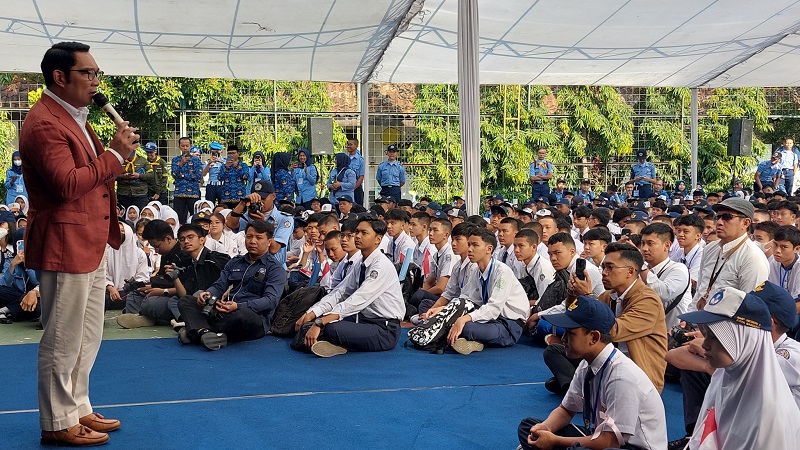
point(123, 239)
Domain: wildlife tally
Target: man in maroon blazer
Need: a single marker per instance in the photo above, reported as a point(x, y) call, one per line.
point(72, 216)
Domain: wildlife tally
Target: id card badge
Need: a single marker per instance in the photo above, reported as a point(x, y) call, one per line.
point(19, 188)
point(299, 181)
point(636, 193)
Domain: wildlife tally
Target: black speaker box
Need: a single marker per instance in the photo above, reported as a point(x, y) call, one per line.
point(740, 137)
point(320, 135)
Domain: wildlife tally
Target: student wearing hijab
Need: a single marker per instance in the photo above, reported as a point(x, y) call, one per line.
point(260, 170)
point(342, 180)
point(15, 282)
point(305, 178)
point(22, 201)
point(132, 215)
point(127, 262)
point(149, 212)
point(282, 178)
point(680, 189)
point(748, 403)
point(15, 185)
point(170, 216)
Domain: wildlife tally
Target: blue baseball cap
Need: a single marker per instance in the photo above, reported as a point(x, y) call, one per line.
point(345, 198)
point(640, 216)
point(151, 147)
point(216, 146)
point(779, 302)
point(439, 214)
point(263, 188)
point(498, 209)
point(195, 149)
point(564, 201)
point(586, 312)
point(732, 304)
point(434, 206)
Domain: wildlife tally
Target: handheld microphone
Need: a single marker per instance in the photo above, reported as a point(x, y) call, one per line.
point(102, 101)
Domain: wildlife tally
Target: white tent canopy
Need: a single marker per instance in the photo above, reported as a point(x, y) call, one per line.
point(603, 42)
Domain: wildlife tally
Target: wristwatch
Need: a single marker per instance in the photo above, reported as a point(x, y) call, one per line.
point(166, 292)
point(318, 322)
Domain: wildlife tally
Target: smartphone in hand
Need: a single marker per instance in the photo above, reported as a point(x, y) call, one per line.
point(580, 267)
point(20, 246)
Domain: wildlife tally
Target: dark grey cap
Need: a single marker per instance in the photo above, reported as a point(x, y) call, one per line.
point(737, 204)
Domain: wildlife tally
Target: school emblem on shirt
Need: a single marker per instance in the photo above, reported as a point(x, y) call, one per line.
point(287, 224)
point(500, 283)
point(373, 275)
point(541, 277)
point(716, 298)
point(783, 352)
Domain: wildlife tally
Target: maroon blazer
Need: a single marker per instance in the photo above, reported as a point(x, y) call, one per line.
point(73, 208)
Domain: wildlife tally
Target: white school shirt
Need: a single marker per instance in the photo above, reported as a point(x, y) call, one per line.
point(458, 278)
point(378, 297)
point(788, 352)
point(505, 297)
point(399, 246)
point(692, 260)
point(511, 259)
point(344, 268)
point(539, 269)
point(442, 262)
point(420, 250)
point(673, 279)
point(787, 278)
point(629, 404)
point(746, 268)
point(675, 251)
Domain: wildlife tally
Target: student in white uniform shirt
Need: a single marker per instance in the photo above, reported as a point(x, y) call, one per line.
point(506, 231)
point(441, 265)
point(396, 221)
point(764, 236)
point(418, 230)
point(784, 270)
point(620, 406)
point(594, 245)
point(549, 228)
point(364, 312)
point(459, 272)
point(580, 222)
point(688, 233)
point(502, 306)
point(353, 257)
point(530, 263)
point(669, 279)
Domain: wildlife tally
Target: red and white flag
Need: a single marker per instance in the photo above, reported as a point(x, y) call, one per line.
point(709, 441)
point(426, 262)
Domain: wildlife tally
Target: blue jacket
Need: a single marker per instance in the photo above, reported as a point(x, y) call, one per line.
point(20, 277)
point(257, 285)
point(187, 177)
point(15, 189)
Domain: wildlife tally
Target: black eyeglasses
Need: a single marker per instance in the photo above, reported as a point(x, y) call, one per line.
point(90, 74)
point(728, 216)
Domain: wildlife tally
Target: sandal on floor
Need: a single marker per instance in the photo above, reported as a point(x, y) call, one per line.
point(5, 318)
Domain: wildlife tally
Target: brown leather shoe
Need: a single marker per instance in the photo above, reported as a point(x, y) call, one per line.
point(99, 423)
point(74, 436)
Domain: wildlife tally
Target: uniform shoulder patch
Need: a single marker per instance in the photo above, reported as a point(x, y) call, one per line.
point(541, 277)
point(287, 224)
point(373, 275)
point(783, 353)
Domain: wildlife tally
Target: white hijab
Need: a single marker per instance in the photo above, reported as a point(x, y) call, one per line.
point(168, 213)
point(157, 206)
point(124, 263)
point(156, 214)
point(198, 205)
point(135, 208)
point(752, 402)
point(25, 209)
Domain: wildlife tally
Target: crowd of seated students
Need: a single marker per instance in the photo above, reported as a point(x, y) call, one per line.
point(610, 285)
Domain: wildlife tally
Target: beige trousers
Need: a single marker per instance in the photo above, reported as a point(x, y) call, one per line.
point(72, 316)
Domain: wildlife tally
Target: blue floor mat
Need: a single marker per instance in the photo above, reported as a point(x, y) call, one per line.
point(262, 394)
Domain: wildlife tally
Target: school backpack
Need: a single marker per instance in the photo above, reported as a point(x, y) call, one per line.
point(431, 335)
point(293, 306)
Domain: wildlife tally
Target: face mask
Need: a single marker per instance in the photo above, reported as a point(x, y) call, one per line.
point(764, 246)
point(17, 162)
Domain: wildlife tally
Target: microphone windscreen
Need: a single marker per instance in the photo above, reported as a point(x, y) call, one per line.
point(100, 99)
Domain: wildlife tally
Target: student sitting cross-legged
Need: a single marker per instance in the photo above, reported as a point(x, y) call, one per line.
point(621, 407)
point(364, 311)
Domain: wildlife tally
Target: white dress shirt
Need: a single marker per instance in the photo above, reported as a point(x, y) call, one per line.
point(786, 277)
point(458, 278)
point(744, 270)
point(669, 279)
point(442, 262)
point(508, 253)
point(505, 297)
point(788, 352)
point(539, 269)
point(692, 260)
point(399, 246)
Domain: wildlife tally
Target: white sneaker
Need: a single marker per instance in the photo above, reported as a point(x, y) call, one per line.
point(415, 319)
point(134, 321)
point(177, 325)
point(466, 347)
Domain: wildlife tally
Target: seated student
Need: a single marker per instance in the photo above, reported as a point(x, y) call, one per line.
point(640, 330)
point(786, 213)
point(747, 381)
point(353, 254)
point(127, 262)
point(530, 264)
point(620, 407)
point(669, 279)
point(764, 236)
point(198, 268)
point(458, 275)
point(580, 222)
point(564, 226)
point(313, 249)
point(549, 227)
point(594, 245)
point(502, 305)
point(782, 270)
point(17, 281)
point(585, 193)
point(418, 229)
point(295, 246)
point(364, 312)
point(441, 266)
point(506, 230)
point(218, 239)
point(400, 242)
point(688, 233)
point(599, 217)
point(333, 255)
point(162, 239)
point(241, 301)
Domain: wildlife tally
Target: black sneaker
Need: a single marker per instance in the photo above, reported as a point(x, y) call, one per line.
point(214, 341)
point(678, 444)
point(552, 385)
point(183, 336)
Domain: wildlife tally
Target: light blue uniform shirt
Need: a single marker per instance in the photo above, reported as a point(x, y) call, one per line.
point(213, 172)
point(306, 181)
point(788, 158)
point(390, 173)
point(643, 170)
point(357, 164)
point(347, 188)
point(539, 168)
point(767, 172)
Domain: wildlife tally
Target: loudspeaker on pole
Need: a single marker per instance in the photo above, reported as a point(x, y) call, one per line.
point(740, 137)
point(320, 135)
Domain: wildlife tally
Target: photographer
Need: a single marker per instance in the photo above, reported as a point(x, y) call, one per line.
point(212, 169)
point(142, 305)
point(260, 171)
point(240, 304)
point(260, 205)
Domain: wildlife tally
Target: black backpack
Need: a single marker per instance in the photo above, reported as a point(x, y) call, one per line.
point(431, 335)
point(292, 307)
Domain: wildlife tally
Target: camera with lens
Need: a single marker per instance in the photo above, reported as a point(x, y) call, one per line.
point(679, 335)
point(255, 207)
point(131, 285)
point(176, 272)
point(210, 303)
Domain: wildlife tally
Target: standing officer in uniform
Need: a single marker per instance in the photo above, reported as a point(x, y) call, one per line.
point(541, 171)
point(187, 172)
point(72, 216)
point(158, 189)
point(788, 164)
point(391, 175)
point(212, 169)
point(643, 174)
point(364, 312)
point(357, 164)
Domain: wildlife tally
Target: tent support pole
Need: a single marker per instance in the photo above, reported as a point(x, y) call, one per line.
point(363, 97)
point(694, 112)
point(469, 101)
